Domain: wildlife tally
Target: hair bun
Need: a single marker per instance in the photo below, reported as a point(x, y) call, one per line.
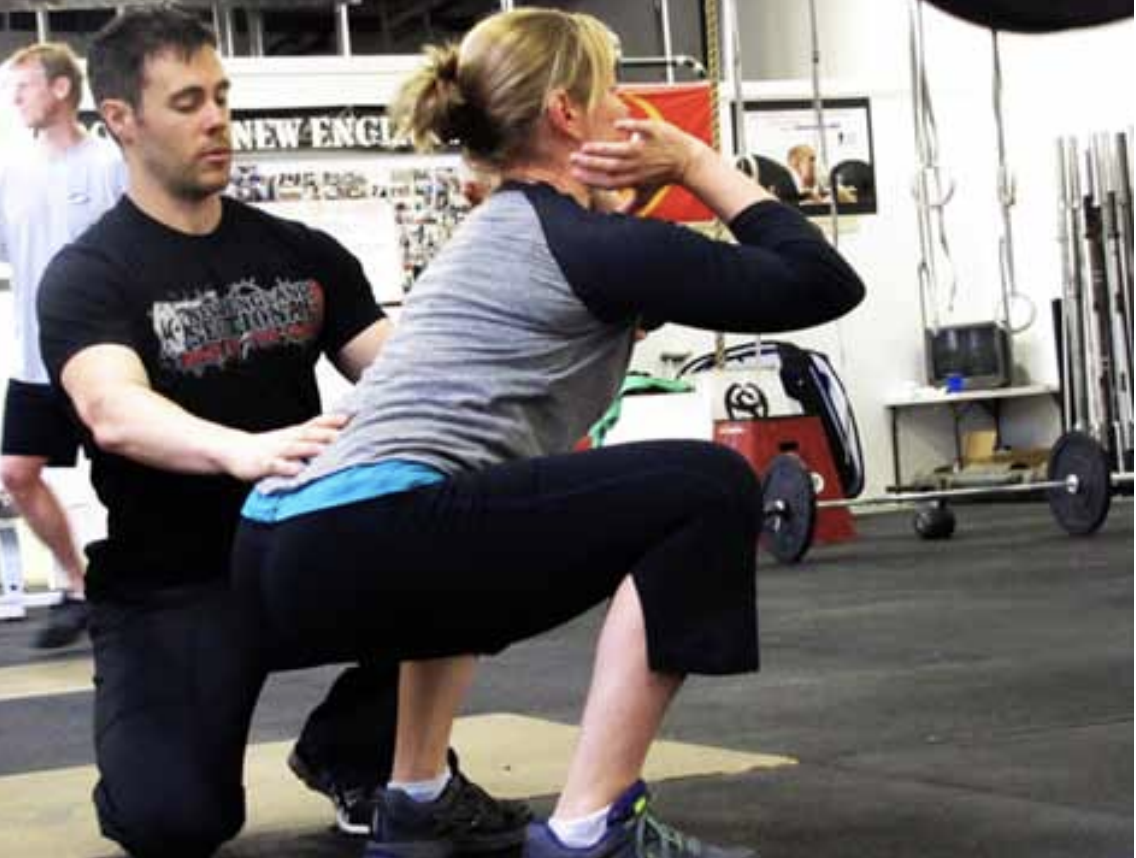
point(468, 126)
point(455, 119)
point(445, 63)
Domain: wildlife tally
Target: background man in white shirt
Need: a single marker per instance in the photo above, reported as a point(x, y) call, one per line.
point(50, 192)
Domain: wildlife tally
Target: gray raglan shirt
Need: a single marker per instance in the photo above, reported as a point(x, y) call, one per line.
point(518, 335)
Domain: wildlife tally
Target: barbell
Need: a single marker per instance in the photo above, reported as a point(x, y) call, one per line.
point(1079, 486)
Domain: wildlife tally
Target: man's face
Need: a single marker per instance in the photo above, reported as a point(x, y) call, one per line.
point(807, 166)
point(38, 101)
point(180, 130)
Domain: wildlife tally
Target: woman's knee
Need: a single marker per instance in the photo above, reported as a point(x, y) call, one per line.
point(726, 475)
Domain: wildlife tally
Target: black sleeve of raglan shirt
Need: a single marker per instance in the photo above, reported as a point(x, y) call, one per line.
point(80, 304)
point(782, 276)
point(350, 305)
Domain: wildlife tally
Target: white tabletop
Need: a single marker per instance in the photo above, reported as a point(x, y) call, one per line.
point(939, 396)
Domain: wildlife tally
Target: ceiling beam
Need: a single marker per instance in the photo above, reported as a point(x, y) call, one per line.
point(259, 5)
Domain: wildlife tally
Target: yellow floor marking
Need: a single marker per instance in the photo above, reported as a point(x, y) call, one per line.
point(47, 678)
point(522, 756)
point(50, 813)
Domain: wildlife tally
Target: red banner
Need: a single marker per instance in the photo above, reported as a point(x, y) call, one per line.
point(691, 108)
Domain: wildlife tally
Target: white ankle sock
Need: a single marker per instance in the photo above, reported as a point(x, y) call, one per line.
point(423, 791)
point(581, 832)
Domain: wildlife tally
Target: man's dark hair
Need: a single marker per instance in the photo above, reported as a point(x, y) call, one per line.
point(116, 60)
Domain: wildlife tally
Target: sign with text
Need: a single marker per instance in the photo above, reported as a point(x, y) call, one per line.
point(354, 129)
point(301, 130)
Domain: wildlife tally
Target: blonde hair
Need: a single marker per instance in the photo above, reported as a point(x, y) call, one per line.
point(57, 60)
point(799, 152)
point(488, 93)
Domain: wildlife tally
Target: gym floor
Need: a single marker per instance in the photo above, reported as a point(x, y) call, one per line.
point(964, 698)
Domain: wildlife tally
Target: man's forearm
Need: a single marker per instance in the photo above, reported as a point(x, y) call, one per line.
point(137, 423)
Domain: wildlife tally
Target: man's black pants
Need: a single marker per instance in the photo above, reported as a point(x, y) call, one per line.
point(176, 681)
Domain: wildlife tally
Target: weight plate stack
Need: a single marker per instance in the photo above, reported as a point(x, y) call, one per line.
point(1083, 511)
point(790, 503)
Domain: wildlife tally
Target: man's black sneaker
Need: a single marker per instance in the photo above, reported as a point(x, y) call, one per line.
point(632, 832)
point(354, 810)
point(464, 819)
point(354, 806)
point(66, 623)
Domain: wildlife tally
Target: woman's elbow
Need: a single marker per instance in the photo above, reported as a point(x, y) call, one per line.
point(824, 300)
point(827, 286)
point(838, 289)
point(850, 295)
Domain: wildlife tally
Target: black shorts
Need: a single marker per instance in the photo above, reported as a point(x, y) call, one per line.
point(37, 422)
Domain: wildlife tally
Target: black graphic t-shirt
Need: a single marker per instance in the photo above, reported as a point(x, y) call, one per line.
point(229, 326)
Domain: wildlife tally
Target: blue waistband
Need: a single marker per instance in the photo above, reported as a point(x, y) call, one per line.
point(358, 483)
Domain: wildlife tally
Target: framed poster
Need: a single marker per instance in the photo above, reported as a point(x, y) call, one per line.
point(783, 138)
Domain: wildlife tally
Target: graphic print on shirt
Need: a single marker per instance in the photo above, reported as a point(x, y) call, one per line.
point(215, 328)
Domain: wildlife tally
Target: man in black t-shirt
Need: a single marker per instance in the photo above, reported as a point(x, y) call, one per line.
point(184, 328)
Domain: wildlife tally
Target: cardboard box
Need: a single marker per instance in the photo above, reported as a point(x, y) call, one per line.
point(978, 448)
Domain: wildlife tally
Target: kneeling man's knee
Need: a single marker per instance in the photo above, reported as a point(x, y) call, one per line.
point(169, 822)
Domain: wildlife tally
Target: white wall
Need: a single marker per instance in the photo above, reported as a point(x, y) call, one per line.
point(1069, 83)
point(1060, 84)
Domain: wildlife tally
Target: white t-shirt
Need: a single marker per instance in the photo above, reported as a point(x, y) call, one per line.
point(46, 201)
